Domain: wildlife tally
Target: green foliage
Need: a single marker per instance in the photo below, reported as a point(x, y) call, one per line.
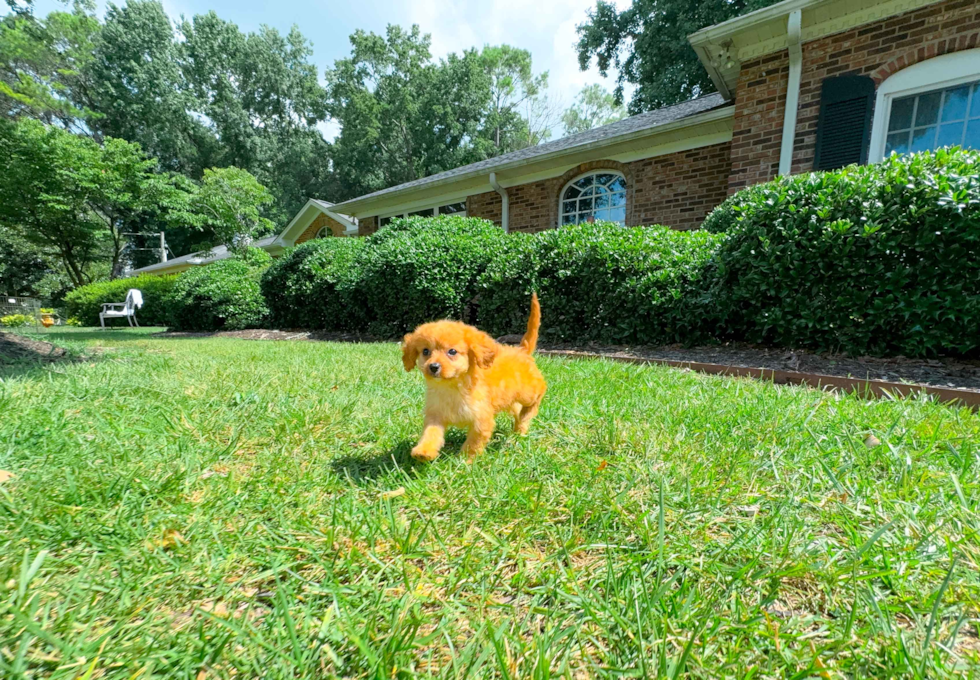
point(880, 259)
point(725, 216)
point(229, 203)
point(598, 282)
point(311, 286)
point(74, 321)
point(593, 108)
point(85, 303)
point(223, 295)
point(646, 43)
point(421, 269)
point(16, 321)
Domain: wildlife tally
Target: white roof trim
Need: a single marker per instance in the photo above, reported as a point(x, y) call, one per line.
point(722, 47)
point(287, 237)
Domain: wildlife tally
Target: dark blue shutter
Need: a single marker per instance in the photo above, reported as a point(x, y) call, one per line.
point(844, 127)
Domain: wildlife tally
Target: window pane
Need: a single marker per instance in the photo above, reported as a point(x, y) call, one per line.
point(588, 192)
point(927, 112)
point(421, 213)
point(572, 192)
point(897, 142)
point(972, 140)
point(618, 184)
point(568, 219)
point(568, 206)
point(924, 139)
point(585, 205)
point(602, 215)
point(602, 201)
point(950, 134)
point(452, 208)
point(618, 198)
point(955, 103)
point(618, 215)
point(975, 106)
point(384, 221)
point(901, 116)
point(604, 178)
point(584, 182)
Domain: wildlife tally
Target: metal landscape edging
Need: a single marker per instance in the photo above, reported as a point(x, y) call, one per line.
point(867, 388)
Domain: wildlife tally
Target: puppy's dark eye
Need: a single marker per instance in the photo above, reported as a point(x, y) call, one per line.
point(425, 352)
point(451, 352)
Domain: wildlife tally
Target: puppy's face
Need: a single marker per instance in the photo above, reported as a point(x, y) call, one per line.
point(446, 350)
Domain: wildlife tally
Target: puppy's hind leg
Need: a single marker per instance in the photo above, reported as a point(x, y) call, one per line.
point(480, 433)
point(527, 415)
point(433, 437)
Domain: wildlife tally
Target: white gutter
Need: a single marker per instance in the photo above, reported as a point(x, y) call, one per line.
point(793, 31)
point(504, 202)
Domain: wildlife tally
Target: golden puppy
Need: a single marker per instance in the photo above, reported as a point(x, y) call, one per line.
point(470, 378)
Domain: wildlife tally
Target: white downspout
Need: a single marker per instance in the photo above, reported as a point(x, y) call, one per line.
point(504, 202)
point(793, 25)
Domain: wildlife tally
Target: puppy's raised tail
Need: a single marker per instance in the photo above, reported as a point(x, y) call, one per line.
point(530, 340)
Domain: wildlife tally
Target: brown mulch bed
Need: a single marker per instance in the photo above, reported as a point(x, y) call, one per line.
point(18, 349)
point(956, 373)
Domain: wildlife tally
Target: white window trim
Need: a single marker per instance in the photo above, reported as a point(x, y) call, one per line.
point(947, 70)
point(434, 208)
point(600, 171)
point(319, 232)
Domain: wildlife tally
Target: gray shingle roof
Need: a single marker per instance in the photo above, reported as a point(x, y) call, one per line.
point(624, 127)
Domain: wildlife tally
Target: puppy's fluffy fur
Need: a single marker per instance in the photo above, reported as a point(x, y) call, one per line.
point(470, 378)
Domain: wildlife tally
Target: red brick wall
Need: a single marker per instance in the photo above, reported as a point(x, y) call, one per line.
point(677, 190)
point(877, 50)
point(367, 226)
point(336, 228)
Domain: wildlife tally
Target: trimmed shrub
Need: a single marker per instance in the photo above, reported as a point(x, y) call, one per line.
point(223, 295)
point(420, 269)
point(16, 321)
point(85, 302)
point(599, 282)
point(310, 286)
point(881, 259)
point(723, 218)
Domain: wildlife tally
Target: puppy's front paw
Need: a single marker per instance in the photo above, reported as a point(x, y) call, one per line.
point(425, 454)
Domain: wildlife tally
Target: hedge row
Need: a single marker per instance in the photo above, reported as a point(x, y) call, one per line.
point(881, 259)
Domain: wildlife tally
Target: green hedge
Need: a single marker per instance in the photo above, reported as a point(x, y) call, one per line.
point(85, 302)
point(420, 269)
point(310, 286)
point(881, 259)
point(224, 295)
point(599, 282)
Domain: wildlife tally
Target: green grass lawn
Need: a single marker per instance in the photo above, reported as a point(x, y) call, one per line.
point(208, 508)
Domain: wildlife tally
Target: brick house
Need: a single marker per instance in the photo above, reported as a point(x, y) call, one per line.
point(802, 85)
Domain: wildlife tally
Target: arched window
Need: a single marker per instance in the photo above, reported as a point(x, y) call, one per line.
point(324, 232)
point(930, 104)
point(596, 196)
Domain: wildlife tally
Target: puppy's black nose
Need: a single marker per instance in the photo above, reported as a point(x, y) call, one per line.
point(434, 368)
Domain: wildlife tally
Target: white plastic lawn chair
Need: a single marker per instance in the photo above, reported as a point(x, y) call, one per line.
point(117, 310)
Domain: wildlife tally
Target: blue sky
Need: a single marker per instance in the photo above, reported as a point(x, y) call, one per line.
point(545, 27)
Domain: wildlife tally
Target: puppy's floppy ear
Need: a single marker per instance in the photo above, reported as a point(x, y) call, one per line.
point(483, 348)
point(410, 351)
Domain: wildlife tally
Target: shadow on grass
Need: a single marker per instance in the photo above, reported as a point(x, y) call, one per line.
point(114, 334)
point(361, 469)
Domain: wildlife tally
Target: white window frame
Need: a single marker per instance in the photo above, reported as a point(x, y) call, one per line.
point(319, 232)
point(434, 208)
point(938, 73)
point(600, 171)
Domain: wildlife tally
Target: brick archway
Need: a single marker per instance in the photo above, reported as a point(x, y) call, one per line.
point(936, 48)
point(593, 166)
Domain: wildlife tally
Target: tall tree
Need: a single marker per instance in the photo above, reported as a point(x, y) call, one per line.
point(402, 116)
point(139, 92)
point(228, 204)
point(262, 97)
point(514, 93)
point(647, 45)
point(42, 64)
point(594, 107)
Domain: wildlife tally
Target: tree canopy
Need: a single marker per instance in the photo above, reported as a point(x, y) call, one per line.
point(646, 44)
point(593, 107)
